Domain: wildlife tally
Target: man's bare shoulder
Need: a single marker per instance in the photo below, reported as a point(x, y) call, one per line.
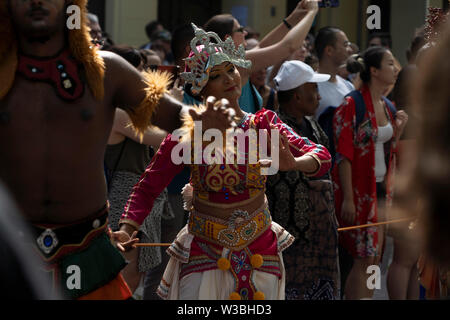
point(124, 80)
point(111, 58)
point(115, 63)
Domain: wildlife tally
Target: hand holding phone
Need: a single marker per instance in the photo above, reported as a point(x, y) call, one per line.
point(329, 4)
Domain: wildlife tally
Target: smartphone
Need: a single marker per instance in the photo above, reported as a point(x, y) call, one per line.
point(329, 4)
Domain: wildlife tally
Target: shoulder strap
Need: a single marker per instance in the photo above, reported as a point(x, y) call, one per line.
point(391, 106)
point(360, 106)
point(271, 100)
point(254, 96)
point(318, 132)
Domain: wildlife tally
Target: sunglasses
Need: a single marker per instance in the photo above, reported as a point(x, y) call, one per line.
point(241, 29)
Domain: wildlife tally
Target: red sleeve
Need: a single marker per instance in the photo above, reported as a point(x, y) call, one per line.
point(343, 123)
point(299, 145)
point(156, 177)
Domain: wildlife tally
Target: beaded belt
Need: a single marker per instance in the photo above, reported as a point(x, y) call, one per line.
point(234, 233)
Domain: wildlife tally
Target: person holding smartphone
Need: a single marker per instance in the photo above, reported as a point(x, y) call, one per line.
point(278, 45)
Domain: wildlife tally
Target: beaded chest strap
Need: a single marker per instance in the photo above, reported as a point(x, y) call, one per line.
point(61, 71)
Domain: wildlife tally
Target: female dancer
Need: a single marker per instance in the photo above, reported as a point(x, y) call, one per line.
point(366, 130)
point(230, 247)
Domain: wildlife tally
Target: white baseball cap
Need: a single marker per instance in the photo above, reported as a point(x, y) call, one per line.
point(295, 73)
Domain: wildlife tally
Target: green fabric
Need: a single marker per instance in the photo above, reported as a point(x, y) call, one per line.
point(135, 156)
point(98, 264)
point(247, 101)
point(190, 100)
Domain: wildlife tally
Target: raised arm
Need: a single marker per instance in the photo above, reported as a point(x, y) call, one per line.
point(282, 29)
point(264, 57)
point(145, 98)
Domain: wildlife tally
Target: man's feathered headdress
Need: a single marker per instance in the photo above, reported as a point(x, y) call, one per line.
point(80, 45)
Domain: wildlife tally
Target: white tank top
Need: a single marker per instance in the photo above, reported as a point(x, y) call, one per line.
point(384, 135)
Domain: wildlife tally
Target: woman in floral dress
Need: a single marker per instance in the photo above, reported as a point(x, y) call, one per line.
point(366, 130)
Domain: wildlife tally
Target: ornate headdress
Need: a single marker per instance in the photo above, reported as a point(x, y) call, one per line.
point(206, 54)
point(435, 20)
point(80, 45)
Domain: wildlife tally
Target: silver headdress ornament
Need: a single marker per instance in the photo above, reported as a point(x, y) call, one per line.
point(206, 54)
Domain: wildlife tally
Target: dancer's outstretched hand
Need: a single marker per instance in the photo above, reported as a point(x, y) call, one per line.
point(218, 115)
point(286, 160)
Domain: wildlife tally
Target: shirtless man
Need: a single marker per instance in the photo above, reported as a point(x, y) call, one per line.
point(55, 119)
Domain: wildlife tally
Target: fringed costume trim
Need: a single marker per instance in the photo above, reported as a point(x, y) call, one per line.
point(157, 84)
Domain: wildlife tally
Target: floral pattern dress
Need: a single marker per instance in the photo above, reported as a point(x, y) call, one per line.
point(358, 146)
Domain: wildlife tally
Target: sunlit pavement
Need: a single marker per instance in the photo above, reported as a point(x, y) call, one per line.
point(382, 293)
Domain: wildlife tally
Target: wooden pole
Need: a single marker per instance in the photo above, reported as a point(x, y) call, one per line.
point(375, 224)
point(339, 230)
point(152, 244)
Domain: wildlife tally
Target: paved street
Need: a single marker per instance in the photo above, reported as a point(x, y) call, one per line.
point(382, 293)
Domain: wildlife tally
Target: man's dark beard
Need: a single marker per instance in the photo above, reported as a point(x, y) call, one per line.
point(38, 39)
point(39, 36)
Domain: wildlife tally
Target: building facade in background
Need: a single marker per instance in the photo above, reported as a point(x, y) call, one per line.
point(125, 20)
